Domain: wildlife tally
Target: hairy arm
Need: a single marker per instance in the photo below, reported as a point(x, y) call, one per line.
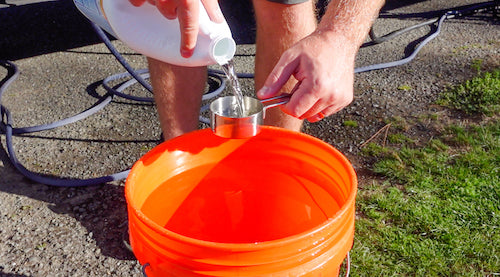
point(351, 19)
point(323, 62)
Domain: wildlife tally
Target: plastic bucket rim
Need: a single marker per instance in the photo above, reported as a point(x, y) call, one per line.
point(255, 245)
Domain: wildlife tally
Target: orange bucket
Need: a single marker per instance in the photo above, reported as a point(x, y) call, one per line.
point(280, 203)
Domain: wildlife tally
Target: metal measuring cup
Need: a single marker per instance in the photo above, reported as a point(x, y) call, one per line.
point(228, 123)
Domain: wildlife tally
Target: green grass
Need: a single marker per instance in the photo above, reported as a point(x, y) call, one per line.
point(436, 211)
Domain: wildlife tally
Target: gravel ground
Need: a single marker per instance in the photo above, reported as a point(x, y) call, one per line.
point(63, 231)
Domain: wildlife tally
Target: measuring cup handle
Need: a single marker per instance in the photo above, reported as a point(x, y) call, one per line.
point(276, 101)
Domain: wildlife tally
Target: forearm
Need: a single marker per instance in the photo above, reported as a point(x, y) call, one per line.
point(349, 20)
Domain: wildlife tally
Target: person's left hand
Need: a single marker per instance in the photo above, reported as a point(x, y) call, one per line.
point(324, 69)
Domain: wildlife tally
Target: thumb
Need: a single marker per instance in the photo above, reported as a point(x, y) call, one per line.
point(277, 78)
point(266, 92)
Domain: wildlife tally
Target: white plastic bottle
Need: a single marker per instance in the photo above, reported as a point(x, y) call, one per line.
point(147, 31)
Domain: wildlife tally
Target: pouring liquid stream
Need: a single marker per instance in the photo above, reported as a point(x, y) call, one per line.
point(234, 85)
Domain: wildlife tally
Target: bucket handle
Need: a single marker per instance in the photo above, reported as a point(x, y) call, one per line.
point(144, 269)
point(347, 265)
point(276, 101)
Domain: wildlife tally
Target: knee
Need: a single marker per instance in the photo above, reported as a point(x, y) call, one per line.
point(276, 13)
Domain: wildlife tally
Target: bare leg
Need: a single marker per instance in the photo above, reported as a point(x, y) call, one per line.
point(279, 26)
point(177, 93)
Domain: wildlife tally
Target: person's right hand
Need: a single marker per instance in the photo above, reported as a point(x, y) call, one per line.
point(187, 12)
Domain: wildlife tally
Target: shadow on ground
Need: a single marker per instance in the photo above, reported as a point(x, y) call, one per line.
point(101, 209)
point(38, 28)
point(45, 27)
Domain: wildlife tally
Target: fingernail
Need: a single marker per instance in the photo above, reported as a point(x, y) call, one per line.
point(263, 92)
point(219, 17)
point(186, 53)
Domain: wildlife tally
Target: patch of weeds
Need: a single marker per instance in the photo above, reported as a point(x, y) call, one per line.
point(373, 149)
point(430, 116)
point(436, 121)
point(350, 123)
point(478, 95)
point(437, 145)
point(404, 87)
point(465, 48)
point(476, 65)
point(146, 148)
point(399, 138)
point(398, 122)
point(13, 216)
point(26, 207)
point(455, 135)
point(41, 246)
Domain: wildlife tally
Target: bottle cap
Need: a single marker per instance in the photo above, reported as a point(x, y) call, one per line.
point(223, 49)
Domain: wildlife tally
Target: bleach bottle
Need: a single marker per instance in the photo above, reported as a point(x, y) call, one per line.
point(147, 31)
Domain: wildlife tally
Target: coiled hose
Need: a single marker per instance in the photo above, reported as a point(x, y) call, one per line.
point(140, 76)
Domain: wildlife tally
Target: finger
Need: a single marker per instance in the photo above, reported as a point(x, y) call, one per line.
point(278, 77)
point(137, 3)
point(318, 107)
point(317, 117)
point(324, 113)
point(330, 105)
point(213, 10)
point(301, 102)
point(167, 8)
point(188, 21)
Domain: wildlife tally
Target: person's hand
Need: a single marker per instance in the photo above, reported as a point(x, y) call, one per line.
point(187, 12)
point(324, 69)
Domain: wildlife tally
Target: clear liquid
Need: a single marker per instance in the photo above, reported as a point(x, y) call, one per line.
point(234, 86)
